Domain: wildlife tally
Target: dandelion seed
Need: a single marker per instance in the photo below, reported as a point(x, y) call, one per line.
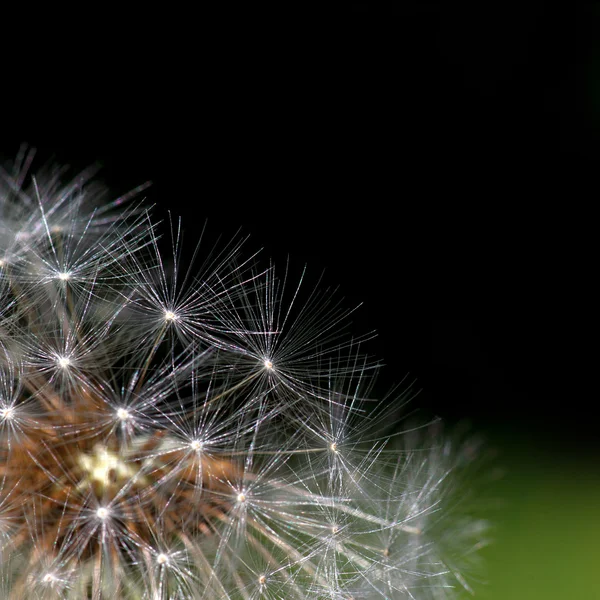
point(102, 513)
point(63, 361)
point(64, 276)
point(123, 414)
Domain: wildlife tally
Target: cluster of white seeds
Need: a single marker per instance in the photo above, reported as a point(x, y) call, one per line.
point(202, 433)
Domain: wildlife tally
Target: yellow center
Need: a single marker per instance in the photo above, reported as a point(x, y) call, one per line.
point(106, 468)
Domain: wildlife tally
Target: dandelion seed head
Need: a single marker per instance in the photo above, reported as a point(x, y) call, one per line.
point(197, 445)
point(168, 432)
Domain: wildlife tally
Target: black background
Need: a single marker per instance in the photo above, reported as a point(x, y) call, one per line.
point(438, 163)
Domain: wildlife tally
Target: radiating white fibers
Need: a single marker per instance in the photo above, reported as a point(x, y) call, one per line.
point(199, 432)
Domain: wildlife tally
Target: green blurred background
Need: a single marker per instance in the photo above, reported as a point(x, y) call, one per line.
point(546, 527)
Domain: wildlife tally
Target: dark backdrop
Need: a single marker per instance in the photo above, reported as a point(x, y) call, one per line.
point(439, 164)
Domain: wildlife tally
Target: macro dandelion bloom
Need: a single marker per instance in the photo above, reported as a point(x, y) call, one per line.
point(205, 431)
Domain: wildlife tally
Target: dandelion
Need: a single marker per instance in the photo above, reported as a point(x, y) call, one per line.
point(209, 432)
